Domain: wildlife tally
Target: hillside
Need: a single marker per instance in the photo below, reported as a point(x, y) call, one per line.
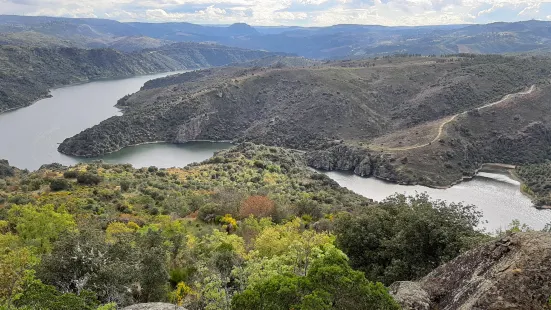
point(351, 115)
point(251, 228)
point(27, 74)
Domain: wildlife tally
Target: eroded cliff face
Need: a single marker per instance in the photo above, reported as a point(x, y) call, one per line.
point(513, 272)
point(342, 157)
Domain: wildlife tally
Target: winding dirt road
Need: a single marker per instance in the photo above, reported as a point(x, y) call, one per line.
point(453, 118)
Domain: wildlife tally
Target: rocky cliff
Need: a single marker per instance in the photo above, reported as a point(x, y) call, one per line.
point(513, 272)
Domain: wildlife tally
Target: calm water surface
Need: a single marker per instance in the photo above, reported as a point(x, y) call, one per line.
point(29, 136)
point(495, 194)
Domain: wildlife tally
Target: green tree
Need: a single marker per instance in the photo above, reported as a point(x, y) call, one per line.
point(406, 237)
point(15, 268)
point(330, 284)
point(84, 261)
point(153, 267)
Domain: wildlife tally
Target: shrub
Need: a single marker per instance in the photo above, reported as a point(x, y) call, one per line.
point(59, 185)
point(71, 174)
point(88, 178)
point(125, 185)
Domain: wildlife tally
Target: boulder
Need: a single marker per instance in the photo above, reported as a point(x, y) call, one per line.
point(513, 272)
point(153, 306)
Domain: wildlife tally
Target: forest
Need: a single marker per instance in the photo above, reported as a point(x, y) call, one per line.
point(251, 228)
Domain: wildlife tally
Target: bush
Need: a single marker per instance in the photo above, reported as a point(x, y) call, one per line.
point(125, 185)
point(71, 174)
point(59, 185)
point(46, 297)
point(88, 178)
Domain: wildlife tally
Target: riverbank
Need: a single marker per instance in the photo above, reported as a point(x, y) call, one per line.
point(146, 143)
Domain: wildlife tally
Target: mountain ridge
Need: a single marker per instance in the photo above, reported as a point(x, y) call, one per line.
point(332, 42)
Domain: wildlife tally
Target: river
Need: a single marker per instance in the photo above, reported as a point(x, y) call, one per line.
point(494, 193)
point(29, 138)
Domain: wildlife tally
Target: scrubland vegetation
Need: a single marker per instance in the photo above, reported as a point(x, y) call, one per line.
point(250, 228)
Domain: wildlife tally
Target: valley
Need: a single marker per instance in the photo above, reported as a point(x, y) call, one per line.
point(93, 102)
point(170, 165)
point(376, 118)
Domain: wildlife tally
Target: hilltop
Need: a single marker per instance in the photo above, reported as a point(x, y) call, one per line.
point(28, 73)
point(369, 116)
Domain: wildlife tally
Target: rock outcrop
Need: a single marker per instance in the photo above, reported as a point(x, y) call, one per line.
point(154, 306)
point(5, 169)
point(341, 157)
point(513, 272)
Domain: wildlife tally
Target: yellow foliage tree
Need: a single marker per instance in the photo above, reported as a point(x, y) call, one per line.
point(114, 229)
point(179, 295)
point(15, 266)
point(39, 226)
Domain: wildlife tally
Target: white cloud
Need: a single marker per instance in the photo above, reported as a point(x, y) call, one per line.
point(289, 12)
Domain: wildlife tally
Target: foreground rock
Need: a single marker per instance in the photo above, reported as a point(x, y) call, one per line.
point(154, 306)
point(511, 273)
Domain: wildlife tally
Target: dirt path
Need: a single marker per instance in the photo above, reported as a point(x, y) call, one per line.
point(453, 118)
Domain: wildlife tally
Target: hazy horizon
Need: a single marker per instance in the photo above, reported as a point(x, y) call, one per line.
point(304, 13)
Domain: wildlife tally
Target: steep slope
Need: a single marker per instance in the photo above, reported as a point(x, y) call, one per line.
point(27, 74)
point(359, 116)
point(510, 273)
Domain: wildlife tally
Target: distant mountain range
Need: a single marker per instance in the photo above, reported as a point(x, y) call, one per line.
point(340, 41)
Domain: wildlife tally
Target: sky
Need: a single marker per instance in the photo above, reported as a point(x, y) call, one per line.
point(290, 12)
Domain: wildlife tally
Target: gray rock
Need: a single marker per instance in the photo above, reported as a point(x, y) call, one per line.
point(410, 295)
point(341, 157)
point(513, 272)
point(154, 306)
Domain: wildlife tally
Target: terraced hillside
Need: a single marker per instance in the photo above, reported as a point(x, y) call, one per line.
point(351, 115)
